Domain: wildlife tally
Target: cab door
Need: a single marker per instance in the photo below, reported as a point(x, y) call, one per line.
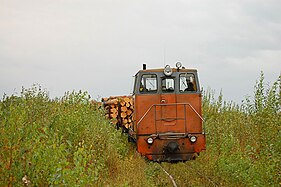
point(166, 112)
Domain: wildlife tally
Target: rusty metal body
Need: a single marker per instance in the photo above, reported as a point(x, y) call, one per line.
point(168, 124)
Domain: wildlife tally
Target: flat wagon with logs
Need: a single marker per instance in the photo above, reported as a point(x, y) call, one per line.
point(120, 110)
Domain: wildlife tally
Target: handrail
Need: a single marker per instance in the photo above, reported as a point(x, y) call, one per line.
point(168, 104)
point(145, 114)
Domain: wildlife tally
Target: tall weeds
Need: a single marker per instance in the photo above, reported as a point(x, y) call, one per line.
point(64, 141)
point(67, 141)
point(244, 141)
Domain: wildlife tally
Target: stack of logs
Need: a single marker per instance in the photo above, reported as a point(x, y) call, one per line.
point(119, 110)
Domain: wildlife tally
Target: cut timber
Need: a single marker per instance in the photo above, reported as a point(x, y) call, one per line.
point(114, 121)
point(124, 108)
point(119, 109)
point(129, 112)
point(125, 121)
point(111, 102)
point(122, 103)
point(114, 115)
point(123, 114)
point(113, 110)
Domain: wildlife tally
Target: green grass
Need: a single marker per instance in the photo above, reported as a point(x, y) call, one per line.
point(68, 142)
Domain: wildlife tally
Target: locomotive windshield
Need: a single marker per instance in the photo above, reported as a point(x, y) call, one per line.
point(168, 85)
point(148, 83)
point(187, 82)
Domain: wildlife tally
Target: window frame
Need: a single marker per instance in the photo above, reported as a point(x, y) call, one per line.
point(195, 83)
point(145, 90)
point(174, 85)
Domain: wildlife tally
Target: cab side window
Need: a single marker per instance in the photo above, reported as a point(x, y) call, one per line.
point(168, 85)
point(148, 83)
point(187, 82)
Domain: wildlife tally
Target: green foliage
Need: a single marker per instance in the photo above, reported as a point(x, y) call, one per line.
point(68, 142)
point(244, 141)
point(64, 141)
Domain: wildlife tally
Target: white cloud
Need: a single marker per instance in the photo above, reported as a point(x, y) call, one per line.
point(266, 60)
point(99, 45)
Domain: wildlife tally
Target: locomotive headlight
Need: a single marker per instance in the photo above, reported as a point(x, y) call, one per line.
point(178, 65)
point(193, 139)
point(168, 70)
point(150, 140)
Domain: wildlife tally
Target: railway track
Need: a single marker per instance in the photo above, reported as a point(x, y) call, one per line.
point(169, 175)
point(199, 174)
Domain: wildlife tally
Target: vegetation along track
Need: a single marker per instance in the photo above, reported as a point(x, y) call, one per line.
point(204, 176)
point(196, 172)
point(169, 175)
point(50, 142)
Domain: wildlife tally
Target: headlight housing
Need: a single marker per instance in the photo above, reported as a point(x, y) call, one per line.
point(168, 70)
point(193, 139)
point(178, 65)
point(150, 140)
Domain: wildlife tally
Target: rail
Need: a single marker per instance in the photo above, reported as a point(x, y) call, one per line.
point(169, 175)
point(194, 170)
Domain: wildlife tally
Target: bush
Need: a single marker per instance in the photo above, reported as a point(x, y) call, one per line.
point(63, 141)
point(244, 141)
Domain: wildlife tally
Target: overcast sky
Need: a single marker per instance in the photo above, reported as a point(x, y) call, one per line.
point(98, 45)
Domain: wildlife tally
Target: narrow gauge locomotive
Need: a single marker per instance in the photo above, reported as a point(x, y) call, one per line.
point(168, 123)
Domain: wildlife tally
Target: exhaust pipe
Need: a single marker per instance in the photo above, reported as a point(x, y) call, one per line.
point(144, 67)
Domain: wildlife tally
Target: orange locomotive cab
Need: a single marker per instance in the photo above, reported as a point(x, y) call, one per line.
point(168, 123)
